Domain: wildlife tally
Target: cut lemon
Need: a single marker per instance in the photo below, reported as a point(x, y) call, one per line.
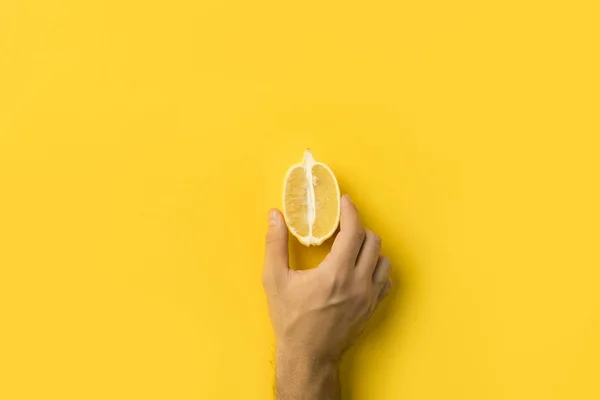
point(311, 201)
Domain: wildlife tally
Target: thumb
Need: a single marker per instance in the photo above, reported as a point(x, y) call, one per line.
point(276, 260)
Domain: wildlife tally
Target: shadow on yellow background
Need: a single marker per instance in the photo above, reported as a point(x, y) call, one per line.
point(142, 143)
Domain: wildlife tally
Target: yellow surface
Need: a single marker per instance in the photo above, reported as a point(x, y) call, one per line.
point(142, 143)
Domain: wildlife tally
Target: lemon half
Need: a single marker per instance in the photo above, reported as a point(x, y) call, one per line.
point(311, 201)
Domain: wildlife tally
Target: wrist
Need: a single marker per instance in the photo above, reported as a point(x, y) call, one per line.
point(303, 360)
point(302, 376)
point(306, 354)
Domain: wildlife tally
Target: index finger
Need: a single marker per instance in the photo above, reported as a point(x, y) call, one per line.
point(352, 235)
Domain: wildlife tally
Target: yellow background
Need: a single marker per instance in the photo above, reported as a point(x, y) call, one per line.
point(142, 143)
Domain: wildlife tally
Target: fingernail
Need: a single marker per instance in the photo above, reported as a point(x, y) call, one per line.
point(273, 218)
point(347, 196)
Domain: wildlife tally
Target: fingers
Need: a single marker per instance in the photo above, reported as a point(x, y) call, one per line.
point(350, 239)
point(276, 259)
point(384, 291)
point(369, 254)
point(381, 274)
point(382, 282)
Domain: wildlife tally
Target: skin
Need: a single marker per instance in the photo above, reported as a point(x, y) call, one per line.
point(317, 314)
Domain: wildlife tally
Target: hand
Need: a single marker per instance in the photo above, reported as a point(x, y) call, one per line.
point(318, 313)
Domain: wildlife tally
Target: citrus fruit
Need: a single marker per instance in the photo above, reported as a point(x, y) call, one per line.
point(311, 201)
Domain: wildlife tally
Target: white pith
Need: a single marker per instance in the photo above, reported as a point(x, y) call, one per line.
point(309, 162)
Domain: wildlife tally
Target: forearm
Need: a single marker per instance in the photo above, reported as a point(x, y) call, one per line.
point(303, 378)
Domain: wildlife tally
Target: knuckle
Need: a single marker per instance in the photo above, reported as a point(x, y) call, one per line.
point(270, 238)
point(360, 235)
point(373, 237)
point(340, 276)
point(335, 284)
point(383, 271)
point(388, 268)
point(385, 263)
point(377, 239)
point(362, 297)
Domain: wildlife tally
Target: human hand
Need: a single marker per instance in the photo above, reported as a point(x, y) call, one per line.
point(318, 313)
